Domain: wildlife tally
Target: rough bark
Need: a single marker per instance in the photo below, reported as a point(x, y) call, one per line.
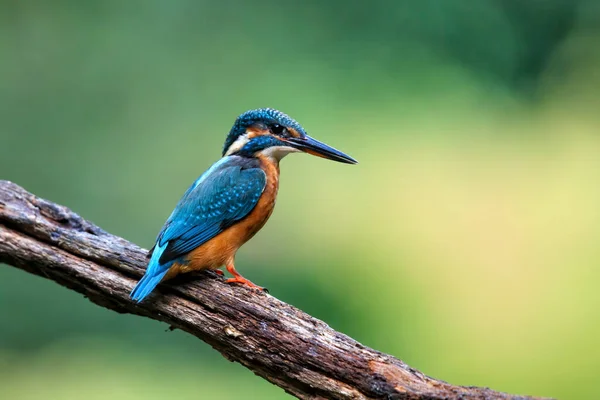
point(278, 342)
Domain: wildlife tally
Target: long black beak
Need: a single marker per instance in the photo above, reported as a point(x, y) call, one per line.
point(320, 149)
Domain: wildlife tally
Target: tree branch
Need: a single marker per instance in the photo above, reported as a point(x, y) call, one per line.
point(278, 342)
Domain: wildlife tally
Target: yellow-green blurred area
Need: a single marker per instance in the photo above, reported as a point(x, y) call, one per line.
point(465, 242)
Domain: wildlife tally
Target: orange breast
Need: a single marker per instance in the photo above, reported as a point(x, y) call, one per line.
point(221, 249)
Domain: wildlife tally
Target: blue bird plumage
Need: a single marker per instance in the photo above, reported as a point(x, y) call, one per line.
point(228, 203)
point(221, 196)
point(155, 272)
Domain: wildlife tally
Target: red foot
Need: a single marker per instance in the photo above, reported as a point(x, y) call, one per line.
point(244, 281)
point(237, 278)
point(218, 272)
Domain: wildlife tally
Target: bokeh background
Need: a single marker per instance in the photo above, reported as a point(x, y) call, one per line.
point(465, 242)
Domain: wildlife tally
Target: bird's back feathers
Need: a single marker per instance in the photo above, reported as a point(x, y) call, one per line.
point(223, 195)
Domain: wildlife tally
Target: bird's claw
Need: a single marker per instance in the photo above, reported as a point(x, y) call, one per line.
point(246, 282)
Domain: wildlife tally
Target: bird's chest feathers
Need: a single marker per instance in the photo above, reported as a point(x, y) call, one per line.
point(257, 218)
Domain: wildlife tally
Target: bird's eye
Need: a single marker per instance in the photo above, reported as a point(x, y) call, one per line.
point(277, 129)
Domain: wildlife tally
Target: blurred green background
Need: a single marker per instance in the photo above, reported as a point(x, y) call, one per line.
point(465, 242)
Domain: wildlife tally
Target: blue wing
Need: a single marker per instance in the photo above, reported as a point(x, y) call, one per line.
point(223, 195)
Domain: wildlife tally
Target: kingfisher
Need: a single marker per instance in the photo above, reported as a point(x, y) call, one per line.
point(231, 201)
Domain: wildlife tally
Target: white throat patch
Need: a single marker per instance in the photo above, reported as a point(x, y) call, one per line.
point(276, 153)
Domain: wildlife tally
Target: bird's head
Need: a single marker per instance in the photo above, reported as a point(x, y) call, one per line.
point(271, 133)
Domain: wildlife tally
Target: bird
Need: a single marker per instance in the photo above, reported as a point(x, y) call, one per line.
point(230, 202)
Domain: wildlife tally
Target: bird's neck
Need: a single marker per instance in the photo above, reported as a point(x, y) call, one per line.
point(269, 164)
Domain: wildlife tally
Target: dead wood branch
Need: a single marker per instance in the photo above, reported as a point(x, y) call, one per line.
point(278, 342)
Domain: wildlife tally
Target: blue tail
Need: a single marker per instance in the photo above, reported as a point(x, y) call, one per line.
point(154, 274)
